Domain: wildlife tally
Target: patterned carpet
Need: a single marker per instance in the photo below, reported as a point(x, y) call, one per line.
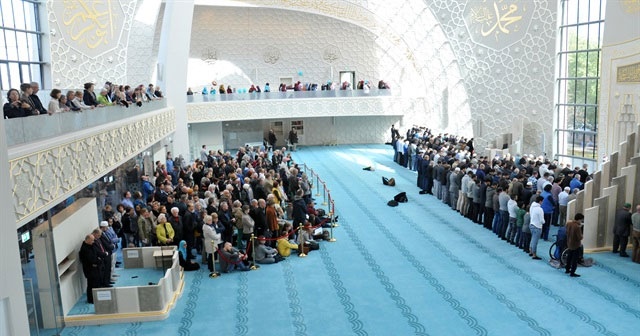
point(415, 269)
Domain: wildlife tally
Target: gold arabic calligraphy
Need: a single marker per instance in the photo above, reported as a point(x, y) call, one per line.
point(89, 22)
point(498, 21)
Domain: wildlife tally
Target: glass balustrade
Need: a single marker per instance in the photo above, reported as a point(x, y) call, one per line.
point(24, 130)
point(216, 97)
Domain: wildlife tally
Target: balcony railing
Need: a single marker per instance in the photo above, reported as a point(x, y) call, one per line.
point(24, 130)
point(204, 98)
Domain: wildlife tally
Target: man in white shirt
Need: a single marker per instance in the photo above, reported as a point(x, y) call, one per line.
point(537, 220)
point(563, 200)
point(203, 154)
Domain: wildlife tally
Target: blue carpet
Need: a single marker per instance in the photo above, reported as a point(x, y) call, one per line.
point(416, 269)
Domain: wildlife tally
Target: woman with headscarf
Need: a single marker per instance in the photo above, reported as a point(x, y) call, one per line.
point(186, 264)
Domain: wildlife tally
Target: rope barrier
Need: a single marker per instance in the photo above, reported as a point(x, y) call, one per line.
point(221, 255)
point(293, 231)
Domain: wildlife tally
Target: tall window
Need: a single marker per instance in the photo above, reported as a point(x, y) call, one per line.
point(580, 41)
point(20, 46)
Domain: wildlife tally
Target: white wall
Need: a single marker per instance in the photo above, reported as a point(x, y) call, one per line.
point(70, 226)
point(242, 39)
point(317, 131)
point(141, 62)
point(619, 101)
point(209, 134)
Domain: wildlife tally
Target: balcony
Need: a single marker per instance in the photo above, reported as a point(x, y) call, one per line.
point(52, 157)
point(204, 98)
point(299, 104)
point(25, 130)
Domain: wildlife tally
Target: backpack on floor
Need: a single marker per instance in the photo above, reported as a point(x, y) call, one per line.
point(401, 197)
point(389, 182)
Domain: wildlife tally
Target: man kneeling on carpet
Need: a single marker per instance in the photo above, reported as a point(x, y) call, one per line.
point(266, 254)
point(231, 258)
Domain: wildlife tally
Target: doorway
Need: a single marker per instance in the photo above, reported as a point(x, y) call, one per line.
point(349, 77)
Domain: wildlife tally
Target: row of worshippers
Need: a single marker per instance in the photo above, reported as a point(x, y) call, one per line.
point(26, 102)
point(417, 140)
point(496, 193)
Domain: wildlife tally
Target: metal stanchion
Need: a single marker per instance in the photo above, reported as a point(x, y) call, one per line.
point(301, 246)
point(324, 194)
point(332, 239)
point(317, 185)
point(333, 211)
point(253, 254)
point(214, 274)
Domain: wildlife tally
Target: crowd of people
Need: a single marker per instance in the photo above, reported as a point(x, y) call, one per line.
point(213, 207)
point(26, 102)
point(517, 197)
point(297, 86)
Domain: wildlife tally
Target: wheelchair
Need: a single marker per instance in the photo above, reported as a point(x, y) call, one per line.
point(558, 250)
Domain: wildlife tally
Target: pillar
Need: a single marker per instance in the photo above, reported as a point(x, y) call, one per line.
point(173, 60)
point(13, 308)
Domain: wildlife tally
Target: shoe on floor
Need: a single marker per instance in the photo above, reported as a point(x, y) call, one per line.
point(624, 255)
point(574, 275)
point(536, 258)
point(567, 272)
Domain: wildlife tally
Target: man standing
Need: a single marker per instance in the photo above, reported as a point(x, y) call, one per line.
point(635, 235)
point(90, 266)
point(147, 188)
point(258, 215)
point(110, 240)
point(204, 154)
point(621, 230)
point(574, 241)
point(563, 201)
point(103, 249)
point(454, 187)
point(293, 139)
point(537, 220)
point(271, 138)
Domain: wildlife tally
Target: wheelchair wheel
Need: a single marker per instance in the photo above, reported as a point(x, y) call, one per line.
point(564, 256)
point(552, 250)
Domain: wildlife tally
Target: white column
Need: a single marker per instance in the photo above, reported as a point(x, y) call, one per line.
point(14, 317)
point(173, 58)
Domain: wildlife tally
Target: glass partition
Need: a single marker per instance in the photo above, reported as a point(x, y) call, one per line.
point(34, 128)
